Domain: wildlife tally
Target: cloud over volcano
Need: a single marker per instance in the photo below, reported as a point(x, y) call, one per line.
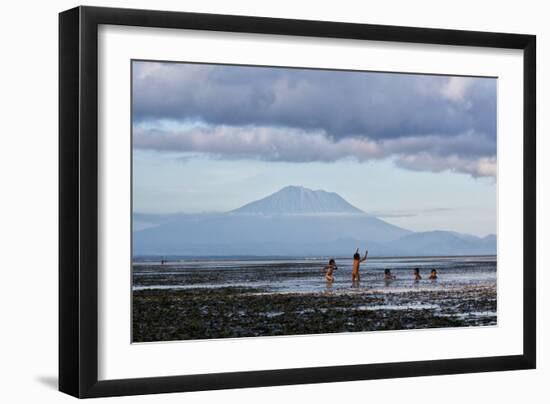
point(421, 122)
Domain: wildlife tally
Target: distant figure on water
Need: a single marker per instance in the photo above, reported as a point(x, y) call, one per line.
point(388, 276)
point(355, 266)
point(416, 274)
point(329, 270)
point(433, 275)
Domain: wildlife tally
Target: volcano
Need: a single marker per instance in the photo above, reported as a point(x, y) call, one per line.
point(294, 221)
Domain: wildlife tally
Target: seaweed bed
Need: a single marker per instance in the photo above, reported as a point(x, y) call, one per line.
point(231, 312)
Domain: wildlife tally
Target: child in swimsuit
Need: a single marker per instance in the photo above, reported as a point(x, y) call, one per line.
point(416, 274)
point(433, 275)
point(356, 263)
point(329, 270)
point(388, 276)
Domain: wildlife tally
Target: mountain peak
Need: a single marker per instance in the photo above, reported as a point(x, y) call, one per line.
point(294, 199)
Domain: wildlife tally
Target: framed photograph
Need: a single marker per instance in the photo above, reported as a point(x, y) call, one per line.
point(251, 201)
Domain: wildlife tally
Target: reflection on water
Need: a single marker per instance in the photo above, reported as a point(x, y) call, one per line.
point(305, 275)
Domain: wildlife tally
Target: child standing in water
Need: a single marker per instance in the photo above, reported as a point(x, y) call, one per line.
point(355, 266)
point(433, 275)
point(329, 270)
point(388, 276)
point(416, 274)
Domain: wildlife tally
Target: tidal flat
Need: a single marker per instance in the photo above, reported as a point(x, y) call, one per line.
point(206, 311)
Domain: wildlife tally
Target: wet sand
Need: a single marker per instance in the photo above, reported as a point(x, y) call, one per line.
point(232, 312)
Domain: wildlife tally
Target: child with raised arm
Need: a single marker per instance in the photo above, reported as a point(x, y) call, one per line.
point(356, 263)
point(329, 270)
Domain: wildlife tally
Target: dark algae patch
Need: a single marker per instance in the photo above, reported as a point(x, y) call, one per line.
point(193, 299)
point(232, 312)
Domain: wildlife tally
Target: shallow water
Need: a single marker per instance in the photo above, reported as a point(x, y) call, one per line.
point(301, 275)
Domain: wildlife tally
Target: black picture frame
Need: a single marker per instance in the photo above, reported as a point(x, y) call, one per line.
point(78, 201)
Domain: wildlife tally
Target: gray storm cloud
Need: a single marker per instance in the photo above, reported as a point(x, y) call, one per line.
point(425, 123)
point(340, 102)
point(421, 153)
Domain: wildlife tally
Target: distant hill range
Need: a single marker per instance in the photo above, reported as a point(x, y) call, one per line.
point(294, 221)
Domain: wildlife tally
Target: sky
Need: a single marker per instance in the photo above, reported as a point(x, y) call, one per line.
point(418, 151)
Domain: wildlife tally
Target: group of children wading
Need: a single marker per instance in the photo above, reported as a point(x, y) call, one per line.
point(355, 277)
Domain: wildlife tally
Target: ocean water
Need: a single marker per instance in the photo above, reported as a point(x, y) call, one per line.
point(305, 275)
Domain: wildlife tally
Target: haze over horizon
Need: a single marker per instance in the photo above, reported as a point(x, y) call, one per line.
point(294, 221)
point(417, 151)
